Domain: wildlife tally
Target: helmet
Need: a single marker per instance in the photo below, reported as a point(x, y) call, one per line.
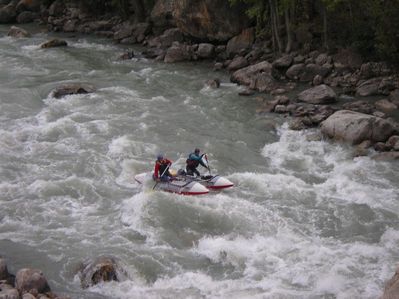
point(159, 157)
point(197, 150)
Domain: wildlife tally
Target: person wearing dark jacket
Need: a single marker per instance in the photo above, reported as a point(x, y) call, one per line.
point(194, 159)
point(161, 169)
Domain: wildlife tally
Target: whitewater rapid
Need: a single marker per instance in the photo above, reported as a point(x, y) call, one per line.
point(304, 220)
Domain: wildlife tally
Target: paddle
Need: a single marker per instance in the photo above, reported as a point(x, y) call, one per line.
point(167, 167)
point(207, 163)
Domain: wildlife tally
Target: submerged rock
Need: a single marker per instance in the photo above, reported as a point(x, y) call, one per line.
point(54, 43)
point(101, 269)
point(73, 88)
point(18, 32)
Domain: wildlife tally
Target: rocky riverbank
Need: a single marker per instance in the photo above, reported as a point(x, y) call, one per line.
point(171, 37)
point(342, 87)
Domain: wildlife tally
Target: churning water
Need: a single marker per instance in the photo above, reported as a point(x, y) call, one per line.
point(304, 220)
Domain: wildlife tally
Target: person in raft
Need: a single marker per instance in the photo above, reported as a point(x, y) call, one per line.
point(161, 170)
point(194, 159)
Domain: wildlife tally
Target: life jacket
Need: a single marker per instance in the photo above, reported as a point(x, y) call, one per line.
point(162, 165)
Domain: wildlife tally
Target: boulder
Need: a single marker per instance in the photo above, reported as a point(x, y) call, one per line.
point(368, 87)
point(206, 50)
point(54, 43)
point(385, 106)
point(17, 32)
point(311, 70)
point(178, 52)
point(246, 75)
point(393, 291)
point(294, 71)
point(101, 269)
point(28, 279)
point(237, 63)
point(73, 88)
point(354, 127)
point(167, 38)
point(283, 62)
point(359, 106)
point(213, 83)
point(321, 94)
point(241, 42)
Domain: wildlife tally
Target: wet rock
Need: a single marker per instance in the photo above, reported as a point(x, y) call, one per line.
point(362, 149)
point(73, 88)
point(354, 127)
point(54, 43)
point(213, 83)
point(238, 62)
point(101, 269)
point(241, 42)
point(218, 66)
point(167, 39)
point(29, 5)
point(394, 97)
point(178, 52)
point(17, 32)
point(385, 106)
point(246, 75)
point(127, 55)
point(393, 142)
point(389, 156)
point(321, 94)
point(124, 31)
point(246, 92)
point(153, 52)
point(360, 106)
point(314, 137)
point(206, 50)
point(297, 124)
point(28, 279)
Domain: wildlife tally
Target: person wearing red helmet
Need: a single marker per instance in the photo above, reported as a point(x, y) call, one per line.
point(161, 169)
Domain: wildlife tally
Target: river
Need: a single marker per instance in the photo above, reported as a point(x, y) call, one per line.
point(304, 219)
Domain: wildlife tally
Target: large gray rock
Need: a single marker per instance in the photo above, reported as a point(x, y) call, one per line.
point(206, 50)
point(178, 52)
point(28, 279)
point(245, 76)
point(368, 88)
point(7, 14)
point(321, 94)
point(354, 127)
